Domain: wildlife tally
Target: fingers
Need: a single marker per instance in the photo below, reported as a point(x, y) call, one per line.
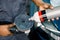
point(48, 6)
point(41, 8)
point(4, 31)
point(7, 25)
point(45, 6)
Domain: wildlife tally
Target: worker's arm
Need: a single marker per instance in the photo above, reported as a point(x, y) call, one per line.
point(38, 2)
point(42, 5)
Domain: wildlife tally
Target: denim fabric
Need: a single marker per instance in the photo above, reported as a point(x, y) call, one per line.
point(22, 22)
point(21, 36)
point(14, 11)
point(9, 9)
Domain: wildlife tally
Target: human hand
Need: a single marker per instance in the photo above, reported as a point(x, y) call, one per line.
point(45, 6)
point(42, 5)
point(4, 29)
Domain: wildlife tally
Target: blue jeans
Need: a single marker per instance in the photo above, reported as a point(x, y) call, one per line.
point(20, 36)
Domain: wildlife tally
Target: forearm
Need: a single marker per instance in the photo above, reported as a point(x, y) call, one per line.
point(38, 2)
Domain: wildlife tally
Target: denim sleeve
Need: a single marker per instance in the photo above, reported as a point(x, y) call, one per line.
point(15, 11)
point(23, 23)
point(10, 8)
point(21, 19)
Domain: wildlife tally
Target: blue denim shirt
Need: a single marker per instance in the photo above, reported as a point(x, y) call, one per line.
point(9, 9)
point(15, 11)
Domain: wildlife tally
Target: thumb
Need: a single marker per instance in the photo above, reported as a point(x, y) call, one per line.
point(48, 6)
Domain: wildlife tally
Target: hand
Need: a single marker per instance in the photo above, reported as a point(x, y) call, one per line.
point(44, 6)
point(4, 29)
